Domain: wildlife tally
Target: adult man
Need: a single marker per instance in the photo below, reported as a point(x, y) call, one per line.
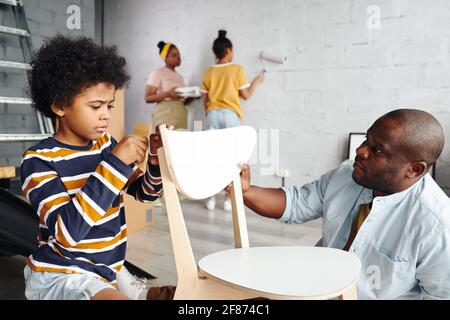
point(383, 207)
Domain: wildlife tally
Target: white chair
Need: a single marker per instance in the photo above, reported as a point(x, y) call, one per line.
point(199, 165)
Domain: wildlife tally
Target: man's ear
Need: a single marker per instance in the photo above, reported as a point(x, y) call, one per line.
point(417, 169)
point(58, 110)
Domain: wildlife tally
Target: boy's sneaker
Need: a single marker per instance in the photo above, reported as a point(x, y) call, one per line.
point(133, 287)
point(211, 203)
point(227, 205)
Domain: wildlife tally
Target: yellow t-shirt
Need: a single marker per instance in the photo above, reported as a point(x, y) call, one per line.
point(222, 83)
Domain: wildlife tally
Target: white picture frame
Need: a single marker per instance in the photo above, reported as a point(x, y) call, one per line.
point(355, 139)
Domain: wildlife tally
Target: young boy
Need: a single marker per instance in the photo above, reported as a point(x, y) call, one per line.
point(76, 179)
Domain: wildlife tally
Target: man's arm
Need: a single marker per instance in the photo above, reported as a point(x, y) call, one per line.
point(267, 202)
point(291, 205)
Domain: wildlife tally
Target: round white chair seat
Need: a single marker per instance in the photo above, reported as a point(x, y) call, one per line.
point(285, 272)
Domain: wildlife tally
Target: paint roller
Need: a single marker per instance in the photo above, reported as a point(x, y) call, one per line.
point(271, 56)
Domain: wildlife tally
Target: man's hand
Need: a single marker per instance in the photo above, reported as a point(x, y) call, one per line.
point(155, 144)
point(267, 202)
point(131, 149)
point(245, 179)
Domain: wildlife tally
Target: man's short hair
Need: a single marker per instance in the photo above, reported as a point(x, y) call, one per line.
point(423, 138)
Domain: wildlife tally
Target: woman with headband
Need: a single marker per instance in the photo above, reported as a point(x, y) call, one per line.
point(160, 88)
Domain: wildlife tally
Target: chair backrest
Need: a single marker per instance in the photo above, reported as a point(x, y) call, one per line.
point(199, 165)
point(202, 163)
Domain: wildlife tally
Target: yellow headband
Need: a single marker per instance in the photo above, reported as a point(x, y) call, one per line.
point(165, 50)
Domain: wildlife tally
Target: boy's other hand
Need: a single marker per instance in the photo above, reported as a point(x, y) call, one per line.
point(155, 144)
point(131, 149)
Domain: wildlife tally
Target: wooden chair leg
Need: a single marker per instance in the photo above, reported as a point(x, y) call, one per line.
point(208, 289)
point(349, 294)
point(182, 293)
point(238, 213)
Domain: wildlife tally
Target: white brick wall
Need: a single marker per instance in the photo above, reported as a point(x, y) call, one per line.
point(45, 19)
point(340, 76)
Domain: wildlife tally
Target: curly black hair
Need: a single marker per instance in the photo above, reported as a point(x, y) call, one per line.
point(63, 67)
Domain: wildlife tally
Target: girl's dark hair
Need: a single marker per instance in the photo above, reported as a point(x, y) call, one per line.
point(63, 67)
point(221, 44)
point(161, 45)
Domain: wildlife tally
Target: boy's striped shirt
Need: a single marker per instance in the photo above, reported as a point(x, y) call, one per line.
point(77, 193)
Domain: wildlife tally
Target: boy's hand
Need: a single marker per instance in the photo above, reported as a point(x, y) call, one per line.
point(155, 144)
point(245, 179)
point(131, 149)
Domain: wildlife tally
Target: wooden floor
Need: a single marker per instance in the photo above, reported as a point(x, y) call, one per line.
point(151, 249)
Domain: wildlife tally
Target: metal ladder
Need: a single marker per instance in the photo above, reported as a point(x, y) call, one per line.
point(23, 32)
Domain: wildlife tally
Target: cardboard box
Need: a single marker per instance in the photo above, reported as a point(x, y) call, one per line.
point(138, 215)
point(7, 172)
point(142, 129)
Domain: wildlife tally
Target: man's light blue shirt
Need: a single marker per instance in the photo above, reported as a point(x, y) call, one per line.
point(403, 245)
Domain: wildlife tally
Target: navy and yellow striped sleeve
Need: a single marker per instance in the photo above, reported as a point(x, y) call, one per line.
point(70, 218)
point(145, 187)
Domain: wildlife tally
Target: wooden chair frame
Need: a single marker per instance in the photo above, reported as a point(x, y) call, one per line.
point(192, 284)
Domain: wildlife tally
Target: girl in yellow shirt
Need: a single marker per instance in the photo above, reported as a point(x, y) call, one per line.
point(223, 85)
